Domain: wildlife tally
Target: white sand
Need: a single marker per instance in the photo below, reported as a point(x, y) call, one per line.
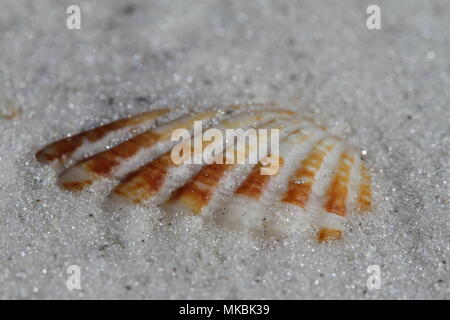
point(387, 91)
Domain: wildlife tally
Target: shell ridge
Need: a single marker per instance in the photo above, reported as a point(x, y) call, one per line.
point(238, 121)
point(68, 150)
point(125, 156)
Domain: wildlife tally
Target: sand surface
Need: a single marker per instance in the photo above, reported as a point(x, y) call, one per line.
point(386, 91)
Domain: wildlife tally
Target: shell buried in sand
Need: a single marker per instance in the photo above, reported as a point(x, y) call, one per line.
point(319, 181)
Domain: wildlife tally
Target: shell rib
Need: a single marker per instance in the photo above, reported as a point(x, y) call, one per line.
point(150, 179)
point(318, 182)
point(108, 163)
point(198, 192)
point(247, 208)
point(70, 149)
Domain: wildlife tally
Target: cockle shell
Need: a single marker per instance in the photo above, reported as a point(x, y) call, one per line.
point(320, 180)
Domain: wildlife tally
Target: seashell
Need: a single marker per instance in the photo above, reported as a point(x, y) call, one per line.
point(319, 179)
